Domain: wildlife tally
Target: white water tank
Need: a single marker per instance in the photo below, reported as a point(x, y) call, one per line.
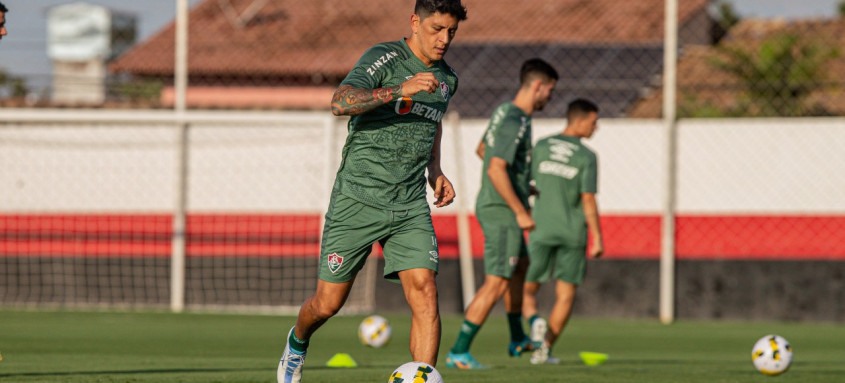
point(81, 38)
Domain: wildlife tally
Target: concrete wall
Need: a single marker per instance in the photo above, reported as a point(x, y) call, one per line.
point(728, 289)
point(736, 290)
point(286, 161)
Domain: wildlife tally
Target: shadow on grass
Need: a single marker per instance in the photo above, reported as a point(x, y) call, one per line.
point(129, 372)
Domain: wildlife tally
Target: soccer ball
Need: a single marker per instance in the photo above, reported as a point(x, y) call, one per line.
point(374, 331)
point(415, 372)
point(772, 355)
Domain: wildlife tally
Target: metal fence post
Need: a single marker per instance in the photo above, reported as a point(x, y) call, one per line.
point(464, 235)
point(667, 249)
point(177, 265)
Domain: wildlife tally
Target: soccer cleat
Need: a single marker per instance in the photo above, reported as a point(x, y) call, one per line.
point(538, 337)
point(552, 360)
point(538, 331)
point(290, 366)
point(463, 361)
point(541, 355)
point(517, 348)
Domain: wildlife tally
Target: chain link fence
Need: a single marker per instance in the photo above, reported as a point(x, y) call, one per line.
point(285, 54)
point(88, 213)
point(744, 190)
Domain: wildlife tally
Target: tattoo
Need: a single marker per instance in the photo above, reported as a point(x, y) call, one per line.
point(349, 101)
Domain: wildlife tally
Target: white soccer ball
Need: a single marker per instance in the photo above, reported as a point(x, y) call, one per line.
point(415, 372)
point(772, 355)
point(374, 331)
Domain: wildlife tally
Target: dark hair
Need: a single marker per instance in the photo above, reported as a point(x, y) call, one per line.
point(425, 8)
point(3, 8)
point(536, 67)
point(580, 107)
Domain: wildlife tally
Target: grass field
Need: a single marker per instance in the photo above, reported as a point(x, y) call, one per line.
point(157, 347)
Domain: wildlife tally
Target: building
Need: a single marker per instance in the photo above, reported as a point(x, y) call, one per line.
point(292, 54)
point(82, 37)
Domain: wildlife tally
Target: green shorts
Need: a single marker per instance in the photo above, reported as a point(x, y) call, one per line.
point(351, 228)
point(504, 241)
point(567, 264)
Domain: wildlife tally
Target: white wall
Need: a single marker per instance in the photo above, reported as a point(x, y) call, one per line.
point(278, 162)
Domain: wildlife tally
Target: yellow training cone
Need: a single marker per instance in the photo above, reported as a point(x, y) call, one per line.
point(592, 358)
point(341, 360)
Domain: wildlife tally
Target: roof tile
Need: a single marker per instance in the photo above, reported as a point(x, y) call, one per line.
point(326, 37)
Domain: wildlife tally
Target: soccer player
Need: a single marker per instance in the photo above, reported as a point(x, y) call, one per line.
point(503, 211)
point(565, 176)
point(3, 11)
point(396, 95)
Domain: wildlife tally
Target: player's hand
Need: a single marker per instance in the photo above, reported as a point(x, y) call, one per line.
point(421, 82)
point(444, 192)
point(597, 249)
point(525, 221)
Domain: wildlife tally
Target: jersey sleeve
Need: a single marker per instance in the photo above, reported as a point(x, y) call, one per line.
point(590, 174)
point(361, 76)
point(506, 138)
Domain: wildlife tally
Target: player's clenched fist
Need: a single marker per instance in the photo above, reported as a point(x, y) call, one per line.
point(421, 82)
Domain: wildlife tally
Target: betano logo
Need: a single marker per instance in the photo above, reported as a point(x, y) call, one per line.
point(403, 105)
point(406, 105)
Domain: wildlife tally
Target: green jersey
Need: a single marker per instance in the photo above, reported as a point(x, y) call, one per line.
point(508, 136)
point(388, 148)
point(563, 168)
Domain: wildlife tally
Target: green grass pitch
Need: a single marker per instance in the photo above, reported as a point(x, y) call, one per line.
point(159, 347)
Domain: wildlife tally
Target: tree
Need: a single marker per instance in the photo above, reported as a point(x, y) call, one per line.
point(12, 86)
point(726, 17)
point(139, 92)
point(777, 77)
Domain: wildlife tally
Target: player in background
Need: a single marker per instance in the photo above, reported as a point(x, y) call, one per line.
point(3, 12)
point(565, 174)
point(396, 94)
point(503, 211)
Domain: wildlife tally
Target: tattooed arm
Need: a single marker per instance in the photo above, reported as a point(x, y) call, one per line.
point(349, 101)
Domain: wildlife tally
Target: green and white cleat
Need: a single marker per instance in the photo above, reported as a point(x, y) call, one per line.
point(516, 349)
point(290, 366)
point(463, 361)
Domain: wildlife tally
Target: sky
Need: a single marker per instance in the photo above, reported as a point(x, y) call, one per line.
point(24, 51)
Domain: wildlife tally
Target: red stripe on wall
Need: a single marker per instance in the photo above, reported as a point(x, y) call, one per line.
point(626, 236)
point(95, 235)
point(761, 237)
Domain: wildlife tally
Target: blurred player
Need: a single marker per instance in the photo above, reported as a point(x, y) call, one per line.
point(565, 173)
point(503, 211)
point(396, 95)
point(3, 12)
